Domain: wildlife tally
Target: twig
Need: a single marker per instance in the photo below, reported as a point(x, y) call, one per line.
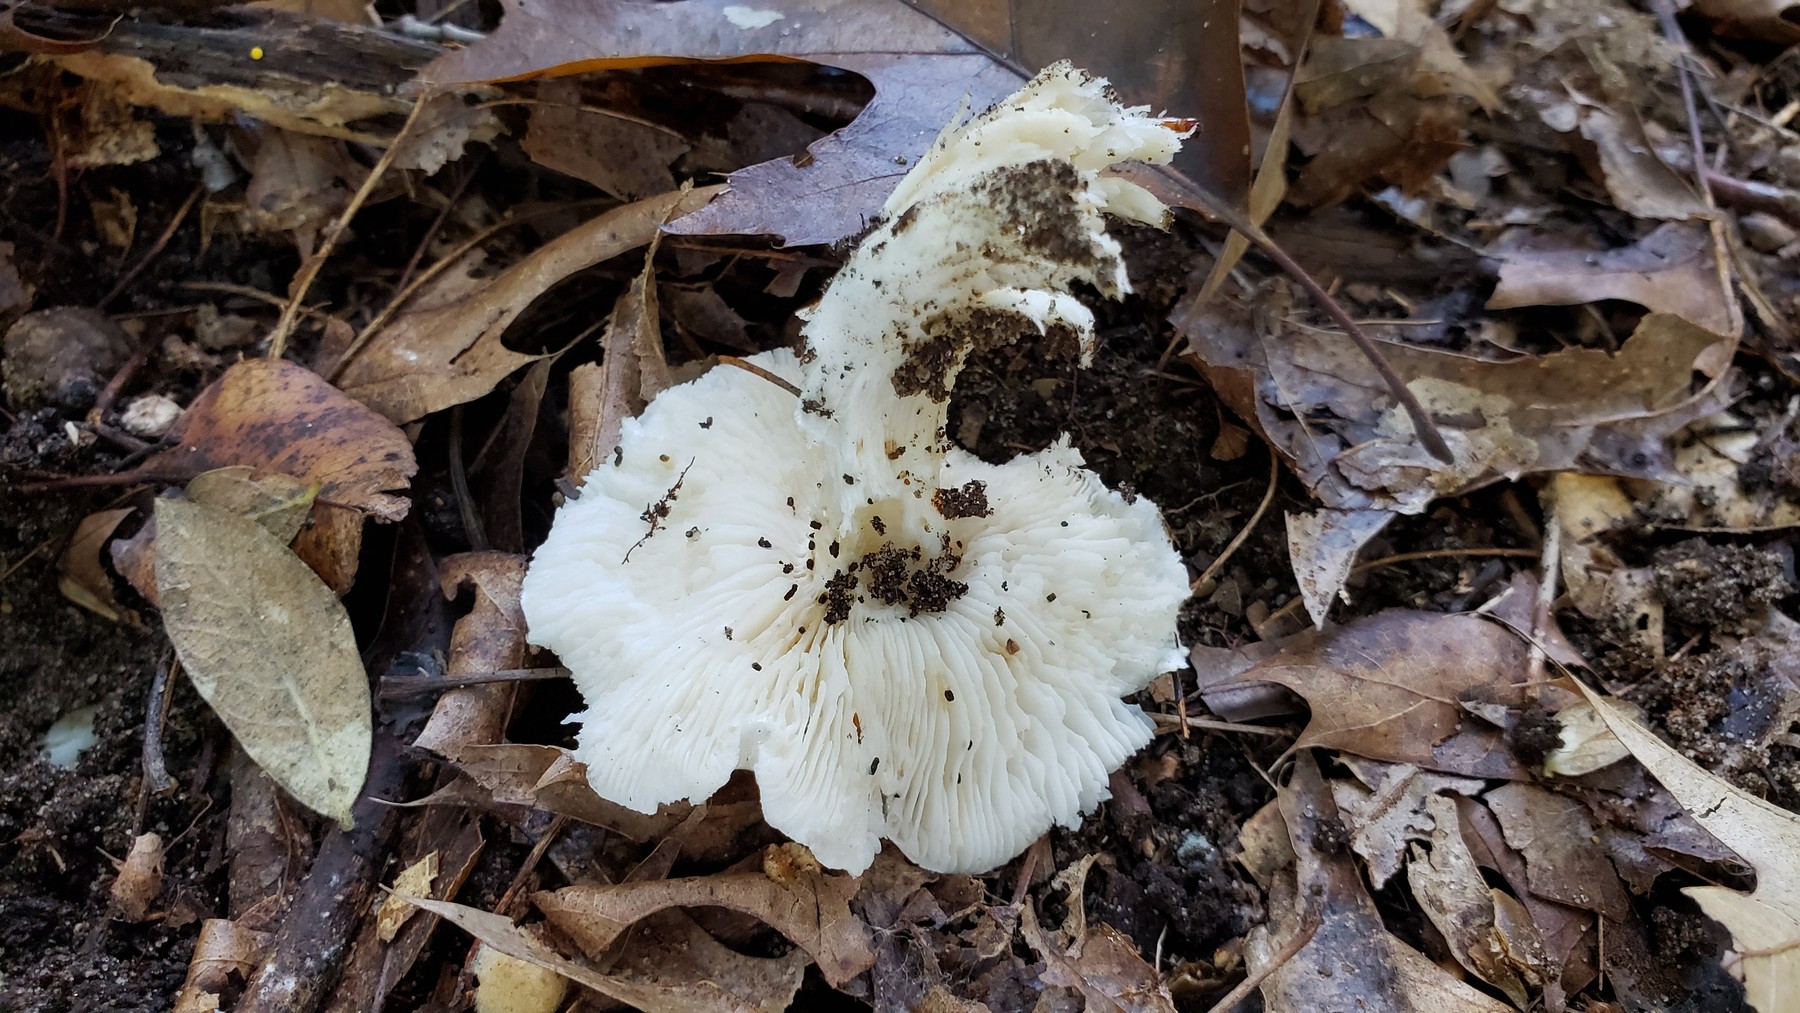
point(1282, 956)
point(316, 934)
point(156, 711)
point(443, 215)
point(1243, 534)
point(415, 685)
point(751, 367)
point(156, 248)
point(1170, 722)
point(509, 900)
point(308, 271)
point(1549, 576)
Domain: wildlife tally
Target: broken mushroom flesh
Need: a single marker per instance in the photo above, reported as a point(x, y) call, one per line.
point(900, 640)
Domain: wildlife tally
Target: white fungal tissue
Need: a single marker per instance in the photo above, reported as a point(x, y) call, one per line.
point(900, 640)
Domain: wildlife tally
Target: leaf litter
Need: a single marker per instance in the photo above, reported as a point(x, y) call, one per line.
point(1569, 319)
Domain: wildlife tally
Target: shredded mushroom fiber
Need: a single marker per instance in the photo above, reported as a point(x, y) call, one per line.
point(900, 640)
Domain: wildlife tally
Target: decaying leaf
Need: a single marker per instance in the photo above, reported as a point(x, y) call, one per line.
point(280, 503)
point(1352, 962)
point(923, 73)
point(1765, 924)
point(1556, 835)
point(270, 648)
point(225, 951)
point(546, 777)
point(277, 416)
point(499, 932)
point(1490, 934)
point(811, 908)
point(1671, 270)
point(1325, 408)
point(445, 348)
point(625, 156)
point(1390, 687)
point(490, 638)
point(413, 881)
point(1097, 962)
point(1386, 816)
point(1622, 157)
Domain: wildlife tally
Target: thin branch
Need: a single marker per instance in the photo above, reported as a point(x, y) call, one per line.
point(1244, 532)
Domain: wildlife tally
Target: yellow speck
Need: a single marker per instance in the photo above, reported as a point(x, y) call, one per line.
point(256, 52)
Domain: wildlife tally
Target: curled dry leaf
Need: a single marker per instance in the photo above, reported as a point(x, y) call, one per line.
point(1616, 150)
point(270, 648)
point(1390, 686)
point(490, 638)
point(80, 576)
point(1103, 966)
point(548, 778)
point(1490, 934)
point(810, 907)
point(275, 416)
point(1764, 924)
point(225, 951)
point(624, 156)
point(499, 932)
point(631, 372)
point(1671, 270)
point(140, 878)
point(445, 348)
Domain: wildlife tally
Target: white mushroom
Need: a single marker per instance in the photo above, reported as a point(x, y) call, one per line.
point(899, 639)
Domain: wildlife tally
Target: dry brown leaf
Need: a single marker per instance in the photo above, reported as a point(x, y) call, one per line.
point(1104, 967)
point(1764, 924)
point(224, 951)
point(631, 372)
point(923, 73)
point(1468, 913)
point(499, 932)
point(1621, 156)
point(1388, 687)
point(626, 157)
point(270, 649)
point(139, 880)
point(331, 543)
point(490, 638)
point(1567, 933)
point(1600, 585)
point(1671, 270)
point(811, 909)
point(445, 348)
point(1389, 814)
point(1324, 407)
point(1440, 69)
point(1557, 837)
point(668, 948)
point(1352, 962)
point(413, 881)
point(274, 416)
point(80, 576)
point(546, 777)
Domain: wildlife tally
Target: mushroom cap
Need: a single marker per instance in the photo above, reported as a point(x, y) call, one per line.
point(958, 701)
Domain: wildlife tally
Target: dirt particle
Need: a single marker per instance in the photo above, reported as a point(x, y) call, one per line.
point(1705, 586)
point(765, 543)
point(970, 500)
point(1012, 646)
point(999, 617)
point(839, 596)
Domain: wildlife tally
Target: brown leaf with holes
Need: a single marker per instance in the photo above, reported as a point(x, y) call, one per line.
point(1390, 686)
point(444, 348)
